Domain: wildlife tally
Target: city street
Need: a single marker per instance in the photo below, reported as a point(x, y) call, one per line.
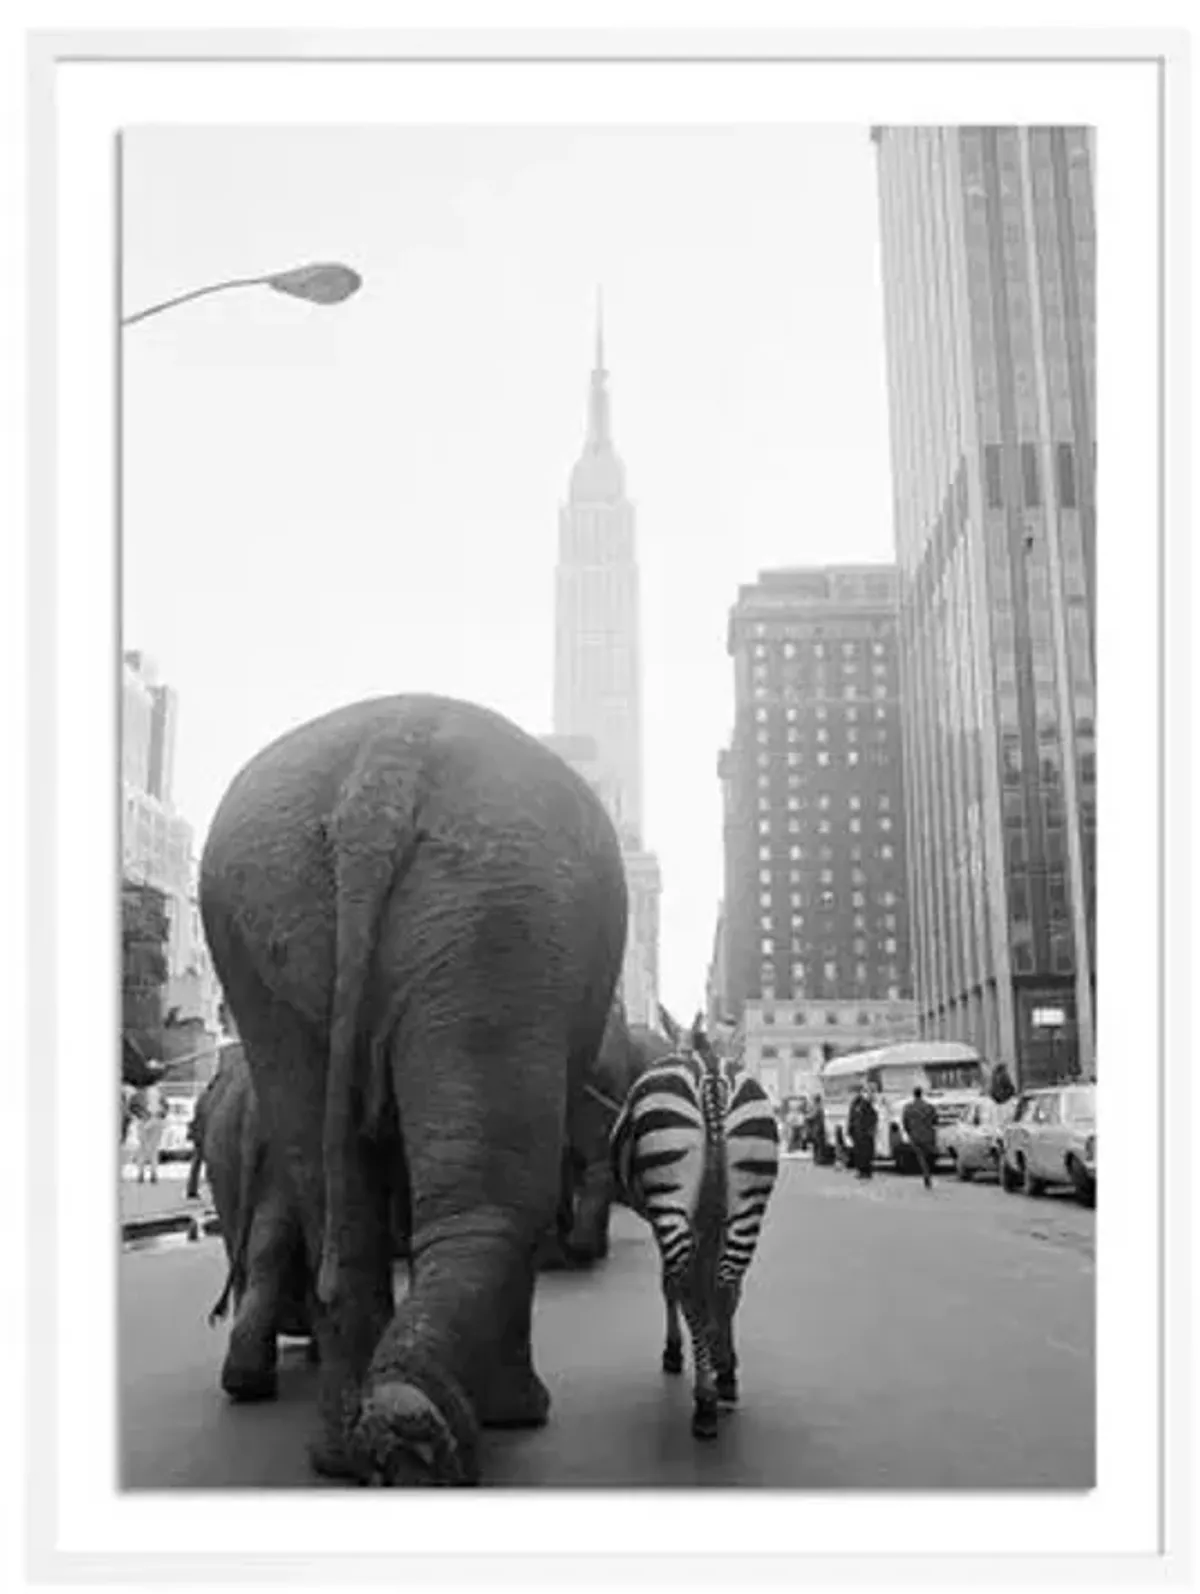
point(890, 1337)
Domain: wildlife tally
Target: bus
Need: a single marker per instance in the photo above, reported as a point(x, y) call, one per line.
point(949, 1072)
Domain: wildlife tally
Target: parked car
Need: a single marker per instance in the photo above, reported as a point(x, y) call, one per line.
point(974, 1141)
point(1051, 1140)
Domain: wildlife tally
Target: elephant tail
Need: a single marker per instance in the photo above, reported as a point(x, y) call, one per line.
point(373, 820)
point(252, 1158)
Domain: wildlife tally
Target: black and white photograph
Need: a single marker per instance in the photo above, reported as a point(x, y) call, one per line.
point(570, 845)
point(608, 806)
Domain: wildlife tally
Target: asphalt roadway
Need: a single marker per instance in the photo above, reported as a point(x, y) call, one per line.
point(889, 1337)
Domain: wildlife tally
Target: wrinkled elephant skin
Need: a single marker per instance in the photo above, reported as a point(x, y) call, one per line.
point(417, 913)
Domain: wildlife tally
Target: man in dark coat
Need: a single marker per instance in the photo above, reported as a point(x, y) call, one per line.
point(920, 1125)
point(862, 1122)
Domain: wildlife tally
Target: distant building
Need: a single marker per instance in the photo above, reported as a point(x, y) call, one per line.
point(597, 672)
point(989, 276)
point(157, 844)
point(815, 917)
point(785, 1044)
point(639, 972)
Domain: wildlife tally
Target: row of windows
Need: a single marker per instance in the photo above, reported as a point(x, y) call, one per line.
point(851, 694)
point(1031, 475)
point(885, 899)
point(886, 852)
point(832, 977)
point(849, 650)
point(761, 672)
point(825, 799)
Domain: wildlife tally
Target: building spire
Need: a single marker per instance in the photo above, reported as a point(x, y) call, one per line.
point(599, 438)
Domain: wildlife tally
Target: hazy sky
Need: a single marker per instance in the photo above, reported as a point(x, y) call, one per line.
point(324, 504)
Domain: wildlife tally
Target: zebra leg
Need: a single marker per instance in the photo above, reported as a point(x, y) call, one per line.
point(728, 1295)
point(672, 1356)
point(704, 1388)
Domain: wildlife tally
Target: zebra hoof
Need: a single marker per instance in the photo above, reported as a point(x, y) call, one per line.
point(704, 1420)
point(672, 1359)
point(727, 1390)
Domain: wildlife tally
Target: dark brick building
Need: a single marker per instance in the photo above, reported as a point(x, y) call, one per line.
point(815, 897)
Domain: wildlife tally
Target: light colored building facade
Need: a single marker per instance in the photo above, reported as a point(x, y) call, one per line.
point(785, 1045)
point(157, 844)
point(597, 672)
point(988, 264)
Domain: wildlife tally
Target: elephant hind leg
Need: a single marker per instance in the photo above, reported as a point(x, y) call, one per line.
point(481, 1110)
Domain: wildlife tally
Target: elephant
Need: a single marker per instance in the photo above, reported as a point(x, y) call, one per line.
point(417, 913)
point(268, 1281)
point(588, 1187)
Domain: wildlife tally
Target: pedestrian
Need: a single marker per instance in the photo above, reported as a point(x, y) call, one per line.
point(196, 1136)
point(1001, 1088)
point(817, 1138)
point(150, 1110)
point(920, 1125)
point(862, 1122)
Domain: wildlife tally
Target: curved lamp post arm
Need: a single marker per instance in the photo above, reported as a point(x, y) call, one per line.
point(196, 293)
point(325, 282)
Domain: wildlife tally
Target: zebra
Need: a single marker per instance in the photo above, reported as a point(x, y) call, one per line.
point(696, 1152)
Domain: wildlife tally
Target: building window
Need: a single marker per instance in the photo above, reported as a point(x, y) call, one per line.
point(764, 900)
point(826, 877)
point(763, 782)
point(764, 876)
point(790, 714)
point(856, 825)
point(885, 824)
point(1030, 476)
point(824, 827)
point(885, 801)
point(827, 899)
point(789, 650)
point(831, 974)
point(822, 712)
point(886, 851)
point(854, 801)
point(764, 827)
point(795, 852)
point(770, 1051)
point(852, 757)
point(764, 804)
point(859, 900)
point(877, 649)
point(760, 714)
point(819, 650)
point(888, 899)
point(1065, 456)
point(893, 993)
point(889, 946)
point(860, 976)
point(793, 803)
point(764, 854)
point(766, 921)
point(768, 946)
point(991, 464)
point(822, 735)
point(823, 759)
point(768, 1017)
point(863, 1018)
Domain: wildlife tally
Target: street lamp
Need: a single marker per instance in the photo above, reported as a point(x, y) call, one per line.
point(325, 283)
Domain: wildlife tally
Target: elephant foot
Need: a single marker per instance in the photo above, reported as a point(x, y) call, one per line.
point(247, 1384)
point(704, 1417)
point(727, 1388)
point(402, 1439)
point(672, 1359)
point(515, 1400)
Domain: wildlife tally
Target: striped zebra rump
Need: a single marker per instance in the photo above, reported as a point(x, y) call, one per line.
point(696, 1151)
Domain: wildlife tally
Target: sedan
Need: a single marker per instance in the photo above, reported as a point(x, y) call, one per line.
point(973, 1142)
point(1052, 1141)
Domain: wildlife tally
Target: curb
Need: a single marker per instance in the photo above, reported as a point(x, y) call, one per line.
point(197, 1225)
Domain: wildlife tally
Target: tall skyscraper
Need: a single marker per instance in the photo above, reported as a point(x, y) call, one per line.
point(814, 944)
point(988, 252)
point(597, 671)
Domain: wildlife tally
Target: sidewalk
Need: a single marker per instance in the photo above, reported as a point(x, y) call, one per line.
point(148, 1208)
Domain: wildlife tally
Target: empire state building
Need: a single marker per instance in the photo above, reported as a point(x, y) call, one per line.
point(597, 671)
